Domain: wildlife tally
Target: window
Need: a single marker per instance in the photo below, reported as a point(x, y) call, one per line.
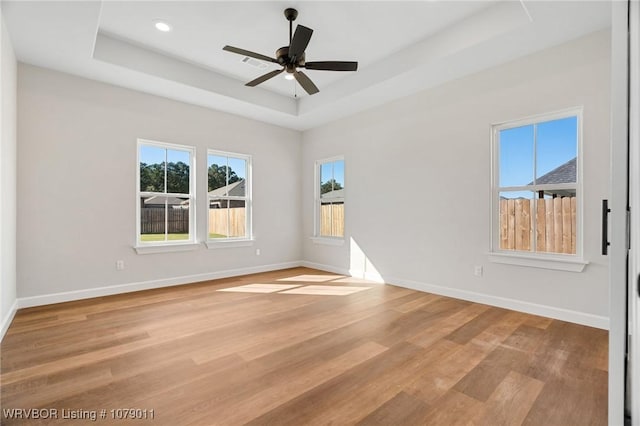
point(537, 189)
point(165, 193)
point(330, 198)
point(229, 199)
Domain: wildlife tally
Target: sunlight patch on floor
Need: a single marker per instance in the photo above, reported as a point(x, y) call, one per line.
point(326, 290)
point(259, 288)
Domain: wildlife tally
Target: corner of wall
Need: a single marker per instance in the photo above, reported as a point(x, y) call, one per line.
point(8, 164)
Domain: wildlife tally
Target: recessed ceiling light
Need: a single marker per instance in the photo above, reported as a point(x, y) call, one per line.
point(162, 26)
point(288, 76)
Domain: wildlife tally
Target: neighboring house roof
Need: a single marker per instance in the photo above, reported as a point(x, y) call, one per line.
point(338, 193)
point(161, 199)
point(235, 189)
point(565, 173)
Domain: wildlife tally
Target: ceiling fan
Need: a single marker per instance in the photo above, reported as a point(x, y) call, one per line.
point(292, 57)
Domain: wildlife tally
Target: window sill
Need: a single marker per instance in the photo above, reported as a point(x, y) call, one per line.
point(165, 248)
point(212, 244)
point(555, 263)
point(328, 241)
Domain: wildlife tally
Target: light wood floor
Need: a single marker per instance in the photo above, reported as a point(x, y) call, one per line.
point(386, 356)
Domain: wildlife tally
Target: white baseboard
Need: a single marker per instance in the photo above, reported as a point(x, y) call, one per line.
point(6, 321)
point(68, 296)
point(501, 302)
point(327, 268)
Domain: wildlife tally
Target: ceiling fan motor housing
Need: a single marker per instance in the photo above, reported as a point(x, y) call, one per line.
point(282, 55)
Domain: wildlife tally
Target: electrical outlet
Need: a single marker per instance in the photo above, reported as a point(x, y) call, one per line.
point(477, 271)
point(257, 252)
point(119, 265)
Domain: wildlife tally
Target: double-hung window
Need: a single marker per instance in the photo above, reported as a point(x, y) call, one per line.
point(229, 196)
point(166, 194)
point(329, 198)
point(537, 188)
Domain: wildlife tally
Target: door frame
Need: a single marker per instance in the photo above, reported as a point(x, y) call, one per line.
point(618, 203)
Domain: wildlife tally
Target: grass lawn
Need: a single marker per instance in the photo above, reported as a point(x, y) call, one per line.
point(174, 237)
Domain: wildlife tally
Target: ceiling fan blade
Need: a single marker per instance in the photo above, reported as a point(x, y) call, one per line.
point(264, 78)
point(332, 66)
point(300, 41)
point(249, 53)
point(305, 82)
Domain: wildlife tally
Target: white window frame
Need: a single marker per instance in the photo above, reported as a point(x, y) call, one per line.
point(144, 247)
point(247, 239)
point(558, 261)
point(317, 238)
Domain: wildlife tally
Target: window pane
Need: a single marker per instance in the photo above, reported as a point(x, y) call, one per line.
point(152, 168)
point(218, 218)
point(217, 174)
point(152, 218)
point(556, 222)
point(331, 219)
point(556, 149)
point(178, 171)
point(177, 218)
point(237, 218)
point(515, 221)
point(326, 178)
point(516, 156)
point(337, 219)
point(332, 179)
point(237, 177)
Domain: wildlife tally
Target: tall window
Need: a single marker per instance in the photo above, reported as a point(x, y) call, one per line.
point(229, 177)
point(537, 188)
point(165, 193)
point(330, 198)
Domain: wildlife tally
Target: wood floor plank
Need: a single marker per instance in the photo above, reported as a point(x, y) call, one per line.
point(385, 355)
point(453, 409)
point(402, 409)
point(510, 403)
point(482, 381)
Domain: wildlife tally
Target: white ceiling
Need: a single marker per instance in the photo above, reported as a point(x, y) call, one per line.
point(402, 47)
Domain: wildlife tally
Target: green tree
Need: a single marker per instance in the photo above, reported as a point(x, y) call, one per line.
point(330, 185)
point(218, 176)
point(178, 178)
point(152, 177)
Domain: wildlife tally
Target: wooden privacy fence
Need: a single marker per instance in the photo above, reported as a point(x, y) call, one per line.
point(555, 224)
point(152, 220)
point(332, 220)
point(227, 222)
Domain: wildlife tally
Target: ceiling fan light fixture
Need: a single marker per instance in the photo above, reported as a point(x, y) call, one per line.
point(289, 76)
point(162, 26)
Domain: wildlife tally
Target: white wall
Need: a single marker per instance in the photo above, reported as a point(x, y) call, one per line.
point(76, 186)
point(7, 179)
point(418, 183)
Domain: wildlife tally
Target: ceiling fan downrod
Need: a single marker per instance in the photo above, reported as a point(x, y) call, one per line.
point(291, 15)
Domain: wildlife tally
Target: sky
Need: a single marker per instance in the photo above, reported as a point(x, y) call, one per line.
point(155, 155)
point(332, 170)
point(556, 143)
